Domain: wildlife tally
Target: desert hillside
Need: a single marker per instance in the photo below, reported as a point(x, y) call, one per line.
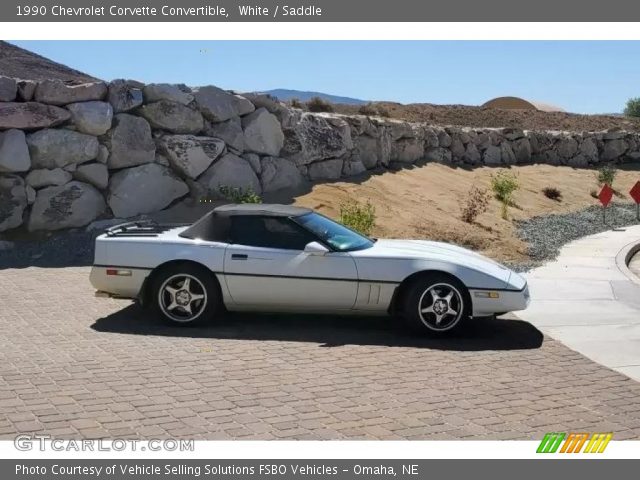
point(479, 117)
point(424, 202)
point(19, 63)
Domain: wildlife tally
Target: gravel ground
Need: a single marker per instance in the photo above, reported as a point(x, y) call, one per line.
point(548, 233)
point(544, 234)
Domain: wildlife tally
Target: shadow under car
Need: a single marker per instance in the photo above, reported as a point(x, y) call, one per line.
point(330, 330)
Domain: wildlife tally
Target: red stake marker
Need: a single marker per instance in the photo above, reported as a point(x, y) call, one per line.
point(605, 196)
point(635, 194)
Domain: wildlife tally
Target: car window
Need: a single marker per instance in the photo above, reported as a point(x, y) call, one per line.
point(268, 232)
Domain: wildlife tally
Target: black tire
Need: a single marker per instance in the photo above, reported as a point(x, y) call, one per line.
point(427, 305)
point(169, 300)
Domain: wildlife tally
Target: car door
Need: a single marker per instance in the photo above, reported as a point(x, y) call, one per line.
point(265, 267)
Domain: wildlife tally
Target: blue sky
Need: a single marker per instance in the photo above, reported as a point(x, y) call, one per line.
point(583, 77)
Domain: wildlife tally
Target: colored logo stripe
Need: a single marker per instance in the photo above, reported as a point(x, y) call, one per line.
point(550, 442)
point(574, 442)
point(598, 443)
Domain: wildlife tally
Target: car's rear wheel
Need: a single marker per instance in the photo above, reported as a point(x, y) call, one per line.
point(436, 303)
point(185, 294)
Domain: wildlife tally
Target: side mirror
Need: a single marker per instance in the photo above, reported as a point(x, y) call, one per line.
point(314, 248)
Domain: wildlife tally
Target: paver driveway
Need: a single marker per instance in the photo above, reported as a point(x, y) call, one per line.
point(76, 366)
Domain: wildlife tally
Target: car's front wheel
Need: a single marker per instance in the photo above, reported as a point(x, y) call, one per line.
point(436, 303)
point(185, 294)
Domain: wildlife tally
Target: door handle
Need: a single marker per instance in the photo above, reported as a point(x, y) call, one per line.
point(239, 256)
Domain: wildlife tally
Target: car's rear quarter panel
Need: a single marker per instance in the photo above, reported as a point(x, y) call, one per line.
point(141, 255)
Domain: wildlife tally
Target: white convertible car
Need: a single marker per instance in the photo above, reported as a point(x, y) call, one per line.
point(289, 259)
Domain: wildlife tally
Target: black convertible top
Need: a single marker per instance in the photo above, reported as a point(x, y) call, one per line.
point(262, 209)
point(214, 226)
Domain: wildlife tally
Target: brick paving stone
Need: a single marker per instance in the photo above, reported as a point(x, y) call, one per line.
point(74, 366)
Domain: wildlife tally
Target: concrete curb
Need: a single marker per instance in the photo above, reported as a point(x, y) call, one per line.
point(624, 258)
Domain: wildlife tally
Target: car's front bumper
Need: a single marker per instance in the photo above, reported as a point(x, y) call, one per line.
point(125, 282)
point(490, 302)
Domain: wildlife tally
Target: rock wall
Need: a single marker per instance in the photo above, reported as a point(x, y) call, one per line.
point(72, 153)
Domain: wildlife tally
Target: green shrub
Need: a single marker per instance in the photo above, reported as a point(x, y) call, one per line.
point(477, 203)
point(606, 174)
point(504, 184)
point(632, 109)
point(239, 195)
point(368, 109)
point(358, 216)
point(296, 103)
point(372, 109)
point(552, 193)
point(316, 104)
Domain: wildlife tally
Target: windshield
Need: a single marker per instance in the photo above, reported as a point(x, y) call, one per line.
point(337, 236)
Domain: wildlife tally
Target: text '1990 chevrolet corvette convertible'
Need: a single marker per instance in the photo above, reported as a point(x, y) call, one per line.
point(277, 258)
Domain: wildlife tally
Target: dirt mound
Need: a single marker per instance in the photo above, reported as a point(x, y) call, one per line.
point(17, 62)
point(469, 116)
point(424, 202)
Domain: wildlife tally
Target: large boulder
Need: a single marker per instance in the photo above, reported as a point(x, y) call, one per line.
point(14, 153)
point(125, 95)
point(264, 100)
point(373, 151)
point(57, 92)
point(279, 174)
point(155, 92)
point(262, 133)
point(567, 147)
point(216, 104)
point(407, 150)
point(492, 155)
point(13, 201)
point(144, 189)
point(190, 155)
point(75, 204)
point(31, 115)
point(8, 89)
point(96, 174)
point(243, 106)
point(438, 155)
point(326, 170)
point(27, 89)
point(230, 171)
point(52, 148)
point(522, 150)
point(613, 149)
point(313, 138)
point(229, 131)
point(93, 118)
point(129, 142)
point(172, 117)
point(353, 168)
point(43, 177)
point(589, 150)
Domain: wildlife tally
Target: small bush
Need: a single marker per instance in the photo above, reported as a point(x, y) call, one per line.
point(606, 174)
point(358, 216)
point(632, 109)
point(296, 103)
point(552, 193)
point(594, 193)
point(368, 109)
point(371, 109)
point(316, 104)
point(239, 195)
point(504, 184)
point(477, 203)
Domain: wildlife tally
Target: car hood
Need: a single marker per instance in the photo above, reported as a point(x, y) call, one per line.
point(437, 251)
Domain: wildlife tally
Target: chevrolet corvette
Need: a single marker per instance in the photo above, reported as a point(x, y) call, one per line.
point(278, 258)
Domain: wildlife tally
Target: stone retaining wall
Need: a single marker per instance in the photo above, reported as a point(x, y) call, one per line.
point(70, 154)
